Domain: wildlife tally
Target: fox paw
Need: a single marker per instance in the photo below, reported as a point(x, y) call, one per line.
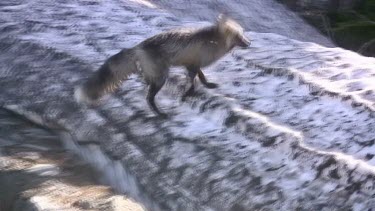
point(163, 115)
point(183, 99)
point(211, 85)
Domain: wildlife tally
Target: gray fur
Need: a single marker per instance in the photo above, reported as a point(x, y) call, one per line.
point(188, 47)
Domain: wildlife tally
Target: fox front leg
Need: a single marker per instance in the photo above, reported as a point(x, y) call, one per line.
point(192, 73)
point(204, 81)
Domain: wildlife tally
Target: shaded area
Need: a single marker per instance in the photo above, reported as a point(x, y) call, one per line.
point(351, 26)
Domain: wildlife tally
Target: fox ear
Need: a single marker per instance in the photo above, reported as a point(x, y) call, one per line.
point(221, 22)
point(221, 19)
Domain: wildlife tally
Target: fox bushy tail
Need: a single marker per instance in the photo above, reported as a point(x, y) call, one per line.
point(108, 78)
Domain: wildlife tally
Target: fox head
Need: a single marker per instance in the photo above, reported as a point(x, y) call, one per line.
point(232, 32)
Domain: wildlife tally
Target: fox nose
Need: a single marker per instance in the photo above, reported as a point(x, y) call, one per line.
point(244, 42)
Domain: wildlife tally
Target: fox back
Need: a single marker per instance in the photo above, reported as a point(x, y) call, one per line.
point(196, 47)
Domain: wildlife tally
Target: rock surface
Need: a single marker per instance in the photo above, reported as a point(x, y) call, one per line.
point(290, 128)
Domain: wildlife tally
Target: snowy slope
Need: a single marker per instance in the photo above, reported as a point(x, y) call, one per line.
point(291, 126)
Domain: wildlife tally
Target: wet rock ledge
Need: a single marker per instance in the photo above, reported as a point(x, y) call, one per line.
point(36, 173)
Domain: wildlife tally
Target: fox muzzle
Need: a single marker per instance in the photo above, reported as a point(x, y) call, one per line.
point(244, 42)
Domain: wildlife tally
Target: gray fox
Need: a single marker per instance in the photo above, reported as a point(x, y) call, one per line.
point(188, 47)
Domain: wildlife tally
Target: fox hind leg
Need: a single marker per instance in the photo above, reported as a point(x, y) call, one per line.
point(153, 89)
point(155, 72)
